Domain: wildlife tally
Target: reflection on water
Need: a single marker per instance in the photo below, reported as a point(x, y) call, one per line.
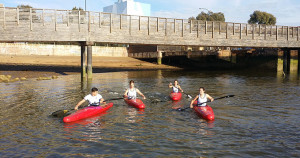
point(260, 121)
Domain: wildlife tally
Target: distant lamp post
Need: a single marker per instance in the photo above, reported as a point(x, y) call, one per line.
point(85, 6)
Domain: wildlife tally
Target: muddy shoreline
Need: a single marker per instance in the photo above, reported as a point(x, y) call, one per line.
point(47, 66)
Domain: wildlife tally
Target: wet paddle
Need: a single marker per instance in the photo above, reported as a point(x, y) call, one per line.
point(187, 95)
point(179, 109)
point(61, 113)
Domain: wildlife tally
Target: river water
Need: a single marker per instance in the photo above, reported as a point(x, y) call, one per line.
point(262, 120)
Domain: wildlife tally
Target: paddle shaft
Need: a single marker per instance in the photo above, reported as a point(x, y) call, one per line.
point(187, 94)
point(208, 101)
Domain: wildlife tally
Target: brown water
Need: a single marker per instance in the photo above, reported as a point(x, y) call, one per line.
point(262, 120)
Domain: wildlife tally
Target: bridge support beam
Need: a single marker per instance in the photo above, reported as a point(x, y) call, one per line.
point(83, 62)
point(159, 57)
point(286, 61)
point(89, 61)
point(86, 60)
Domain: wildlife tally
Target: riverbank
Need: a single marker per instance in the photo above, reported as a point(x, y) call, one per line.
point(45, 66)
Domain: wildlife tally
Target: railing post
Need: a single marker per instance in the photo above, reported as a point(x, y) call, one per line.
point(148, 25)
point(253, 30)
point(110, 19)
point(55, 21)
point(68, 16)
point(276, 32)
point(79, 20)
point(298, 38)
point(197, 28)
point(220, 28)
point(282, 31)
point(246, 29)
point(212, 29)
point(43, 17)
point(99, 19)
point(139, 22)
point(157, 24)
point(4, 18)
point(288, 33)
point(265, 32)
point(241, 30)
point(120, 21)
point(293, 32)
point(259, 29)
point(205, 27)
point(30, 14)
point(130, 24)
point(18, 17)
point(271, 28)
point(226, 30)
point(191, 26)
point(174, 25)
point(89, 23)
point(182, 27)
point(166, 26)
point(233, 28)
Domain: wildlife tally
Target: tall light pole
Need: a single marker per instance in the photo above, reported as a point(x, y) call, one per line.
point(85, 6)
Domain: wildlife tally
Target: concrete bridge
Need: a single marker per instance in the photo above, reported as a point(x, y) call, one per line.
point(88, 28)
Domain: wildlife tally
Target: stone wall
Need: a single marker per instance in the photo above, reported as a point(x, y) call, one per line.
point(58, 50)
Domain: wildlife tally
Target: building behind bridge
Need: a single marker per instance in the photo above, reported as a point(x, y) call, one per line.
point(129, 7)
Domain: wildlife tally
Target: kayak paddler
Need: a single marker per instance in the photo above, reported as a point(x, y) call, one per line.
point(130, 93)
point(94, 99)
point(201, 98)
point(176, 87)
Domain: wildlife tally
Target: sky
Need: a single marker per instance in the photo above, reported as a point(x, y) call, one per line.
point(287, 12)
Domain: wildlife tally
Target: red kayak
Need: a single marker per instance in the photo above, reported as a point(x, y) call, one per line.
point(206, 112)
point(87, 112)
point(175, 96)
point(135, 102)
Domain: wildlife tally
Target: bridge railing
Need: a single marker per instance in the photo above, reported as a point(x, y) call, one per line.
point(31, 19)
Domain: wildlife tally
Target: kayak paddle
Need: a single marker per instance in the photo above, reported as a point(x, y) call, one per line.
point(61, 113)
point(187, 95)
point(179, 109)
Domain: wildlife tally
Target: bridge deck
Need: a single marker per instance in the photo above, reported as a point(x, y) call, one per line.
point(47, 25)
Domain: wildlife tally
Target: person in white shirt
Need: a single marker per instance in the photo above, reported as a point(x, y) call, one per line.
point(130, 93)
point(94, 99)
point(176, 87)
point(201, 98)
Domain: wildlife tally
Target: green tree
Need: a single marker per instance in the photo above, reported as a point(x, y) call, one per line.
point(75, 8)
point(210, 16)
point(259, 17)
point(24, 6)
point(24, 10)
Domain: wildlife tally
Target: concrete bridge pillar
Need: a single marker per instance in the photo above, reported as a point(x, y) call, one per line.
point(286, 61)
point(86, 60)
point(159, 57)
point(89, 60)
point(83, 61)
